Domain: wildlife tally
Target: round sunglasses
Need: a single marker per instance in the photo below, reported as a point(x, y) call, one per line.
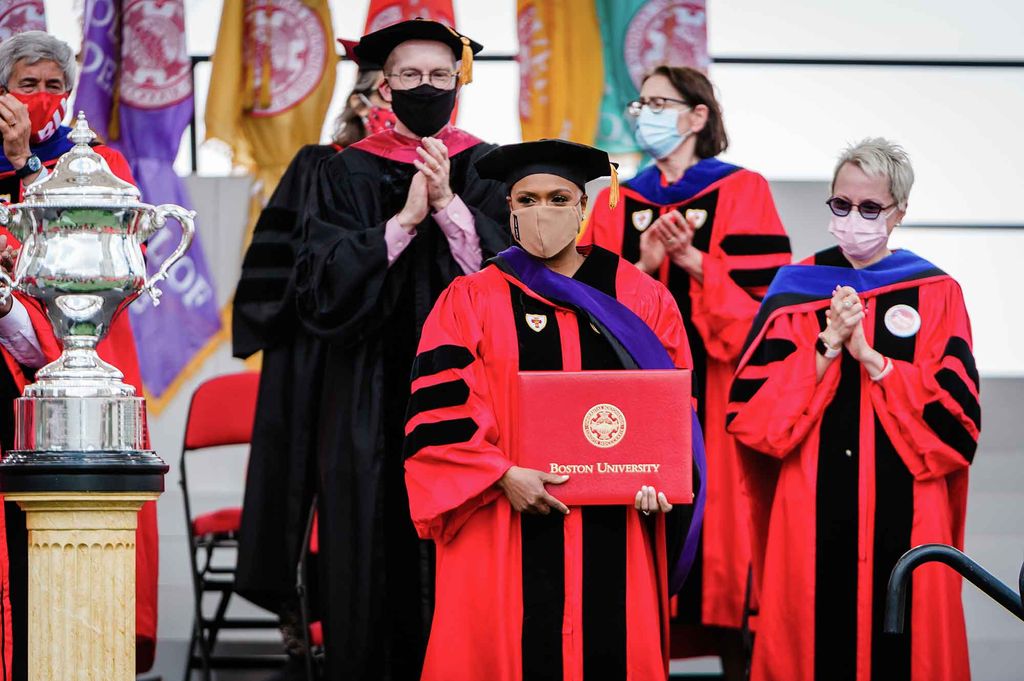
point(869, 210)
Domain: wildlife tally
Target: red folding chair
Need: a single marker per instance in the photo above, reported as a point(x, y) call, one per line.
point(221, 413)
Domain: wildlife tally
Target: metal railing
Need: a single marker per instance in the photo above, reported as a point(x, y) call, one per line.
point(896, 596)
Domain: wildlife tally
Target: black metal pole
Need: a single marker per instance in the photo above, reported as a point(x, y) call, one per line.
point(896, 597)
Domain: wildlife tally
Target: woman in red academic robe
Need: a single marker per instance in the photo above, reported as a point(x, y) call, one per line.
point(526, 587)
point(860, 386)
point(709, 231)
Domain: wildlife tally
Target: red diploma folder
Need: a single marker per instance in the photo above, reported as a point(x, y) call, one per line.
point(611, 432)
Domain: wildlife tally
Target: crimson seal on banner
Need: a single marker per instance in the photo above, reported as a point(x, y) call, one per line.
point(28, 15)
point(295, 35)
point(157, 71)
point(665, 32)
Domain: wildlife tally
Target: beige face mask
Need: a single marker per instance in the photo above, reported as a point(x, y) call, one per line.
point(543, 231)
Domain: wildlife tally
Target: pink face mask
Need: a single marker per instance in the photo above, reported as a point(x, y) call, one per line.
point(858, 237)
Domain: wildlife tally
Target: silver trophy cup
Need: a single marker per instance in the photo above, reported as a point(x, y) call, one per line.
point(81, 258)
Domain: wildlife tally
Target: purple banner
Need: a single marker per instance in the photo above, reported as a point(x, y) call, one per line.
point(137, 48)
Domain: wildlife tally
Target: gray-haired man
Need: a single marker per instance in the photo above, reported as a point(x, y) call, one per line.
point(37, 72)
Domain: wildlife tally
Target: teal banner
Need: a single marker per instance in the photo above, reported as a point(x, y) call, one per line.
point(639, 35)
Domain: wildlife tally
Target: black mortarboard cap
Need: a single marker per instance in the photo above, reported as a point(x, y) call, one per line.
point(375, 47)
point(349, 46)
point(577, 163)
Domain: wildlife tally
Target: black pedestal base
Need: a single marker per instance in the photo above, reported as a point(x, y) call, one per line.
point(31, 471)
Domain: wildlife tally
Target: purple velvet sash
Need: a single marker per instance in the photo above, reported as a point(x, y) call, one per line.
point(642, 344)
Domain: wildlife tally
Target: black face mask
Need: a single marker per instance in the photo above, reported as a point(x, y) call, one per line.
point(424, 109)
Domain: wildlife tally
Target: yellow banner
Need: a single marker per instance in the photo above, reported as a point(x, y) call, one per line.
point(273, 77)
point(560, 69)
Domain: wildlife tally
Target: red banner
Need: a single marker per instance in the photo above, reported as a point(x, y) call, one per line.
point(383, 13)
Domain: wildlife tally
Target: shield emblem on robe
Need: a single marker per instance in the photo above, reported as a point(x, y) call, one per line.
point(696, 217)
point(642, 219)
point(537, 322)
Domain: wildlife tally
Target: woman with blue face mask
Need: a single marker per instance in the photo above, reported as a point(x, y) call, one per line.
point(709, 231)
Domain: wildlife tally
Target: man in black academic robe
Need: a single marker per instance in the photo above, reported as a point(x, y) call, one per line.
point(281, 477)
point(280, 480)
point(392, 220)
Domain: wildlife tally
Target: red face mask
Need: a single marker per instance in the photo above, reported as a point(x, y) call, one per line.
point(45, 112)
point(379, 119)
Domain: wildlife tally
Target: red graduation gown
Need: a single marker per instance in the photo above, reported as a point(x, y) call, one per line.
point(744, 243)
point(863, 471)
point(526, 596)
point(118, 348)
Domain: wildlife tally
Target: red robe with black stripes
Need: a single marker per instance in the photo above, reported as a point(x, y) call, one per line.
point(859, 472)
point(528, 596)
point(118, 348)
point(744, 243)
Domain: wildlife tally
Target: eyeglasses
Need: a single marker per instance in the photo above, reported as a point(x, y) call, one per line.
point(869, 210)
point(655, 104)
point(410, 78)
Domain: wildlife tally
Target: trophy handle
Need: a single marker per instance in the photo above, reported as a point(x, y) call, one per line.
point(11, 219)
point(6, 284)
point(188, 231)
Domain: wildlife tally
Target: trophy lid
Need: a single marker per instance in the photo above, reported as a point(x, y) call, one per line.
point(81, 174)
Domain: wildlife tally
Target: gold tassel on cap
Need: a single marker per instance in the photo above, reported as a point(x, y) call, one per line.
point(466, 72)
point(613, 192)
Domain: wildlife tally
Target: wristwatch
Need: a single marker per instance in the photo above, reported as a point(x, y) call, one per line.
point(32, 165)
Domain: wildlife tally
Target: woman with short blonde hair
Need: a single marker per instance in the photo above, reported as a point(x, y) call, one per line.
point(860, 382)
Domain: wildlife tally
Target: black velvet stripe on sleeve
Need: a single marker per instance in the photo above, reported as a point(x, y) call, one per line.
point(755, 244)
point(447, 394)
point(270, 288)
point(772, 350)
point(757, 277)
point(958, 347)
point(954, 385)
point(272, 240)
point(439, 434)
point(950, 430)
point(441, 358)
point(770, 305)
point(745, 388)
